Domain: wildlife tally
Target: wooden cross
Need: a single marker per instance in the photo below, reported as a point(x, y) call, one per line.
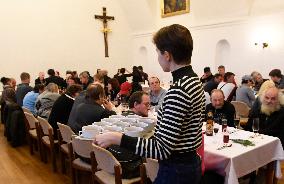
point(105, 30)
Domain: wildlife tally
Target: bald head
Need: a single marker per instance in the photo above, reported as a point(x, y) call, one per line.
point(217, 98)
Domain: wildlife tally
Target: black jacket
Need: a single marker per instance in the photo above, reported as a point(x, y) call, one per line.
point(87, 113)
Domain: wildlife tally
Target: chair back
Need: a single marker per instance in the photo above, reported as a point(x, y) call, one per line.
point(105, 160)
point(45, 126)
point(66, 132)
point(27, 110)
point(82, 147)
point(31, 120)
point(242, 109)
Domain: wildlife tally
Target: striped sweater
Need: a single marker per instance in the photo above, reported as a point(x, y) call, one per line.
point(180, 118)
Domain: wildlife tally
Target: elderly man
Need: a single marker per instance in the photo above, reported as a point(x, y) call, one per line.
point(139, 103)
point(220, 107)
point(270, 113)
point(157, 93)
point(277, 78)
point(85, 79)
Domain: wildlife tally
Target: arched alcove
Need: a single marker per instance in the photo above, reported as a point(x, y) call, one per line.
point(222, 56)
point(143, 55)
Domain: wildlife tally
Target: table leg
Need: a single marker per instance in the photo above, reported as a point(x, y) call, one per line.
point(270, 173)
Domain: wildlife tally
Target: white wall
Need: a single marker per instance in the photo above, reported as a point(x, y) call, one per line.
point(241, 34)
point(37, 35)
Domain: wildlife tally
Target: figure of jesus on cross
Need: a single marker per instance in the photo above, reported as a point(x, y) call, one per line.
point(105, 29)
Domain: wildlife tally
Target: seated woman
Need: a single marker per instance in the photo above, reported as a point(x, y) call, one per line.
point(46, 99)
point(91, 110)
point(113, 88)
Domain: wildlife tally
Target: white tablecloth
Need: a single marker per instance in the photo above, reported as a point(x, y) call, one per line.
point(236, 161)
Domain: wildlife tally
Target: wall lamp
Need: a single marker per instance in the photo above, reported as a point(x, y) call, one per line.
point(264, 45)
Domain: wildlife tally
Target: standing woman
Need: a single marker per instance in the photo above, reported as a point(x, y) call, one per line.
point(178, 132)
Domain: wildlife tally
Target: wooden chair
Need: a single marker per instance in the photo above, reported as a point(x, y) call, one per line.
point(242, 109)
point(149, 170)
point(78, 149)
point(47, 141)
point(32, 130)
point(110, 172)
point(64, 137)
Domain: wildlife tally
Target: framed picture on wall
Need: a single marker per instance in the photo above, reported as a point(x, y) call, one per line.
point(174, 7)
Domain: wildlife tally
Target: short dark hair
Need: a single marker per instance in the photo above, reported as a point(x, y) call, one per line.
point(227, 75)
point(5, 80)
point(95, 92)
point(275, 73)
point(38, 87)
point(221, 66)
point(51, 72)
point(140, 67)
point(114, 83)
point(25, 76)
point(175, 39)
point(122, 70)
point(73, 89)
point(206, 69)
point(136, 97)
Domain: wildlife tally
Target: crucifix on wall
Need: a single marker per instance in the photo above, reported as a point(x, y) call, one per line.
point(105, 29)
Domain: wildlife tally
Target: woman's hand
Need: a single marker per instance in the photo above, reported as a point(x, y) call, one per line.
point(107, 139)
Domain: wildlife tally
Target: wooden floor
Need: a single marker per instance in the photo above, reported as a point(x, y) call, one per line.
point(17, 166)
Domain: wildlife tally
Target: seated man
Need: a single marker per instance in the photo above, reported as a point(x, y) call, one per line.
point(30, 98)
point(228, 86)
point(244, 93)
point(139, 103)
point(157, 93)
point(270, 113)
point(91, 109)
point(277, 78)
point(62, 106)
point(213, 83)
point(258, 80)
point(220, 107)
point(207, 76)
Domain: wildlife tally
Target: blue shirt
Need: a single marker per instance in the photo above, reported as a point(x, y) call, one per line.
point(29, 101)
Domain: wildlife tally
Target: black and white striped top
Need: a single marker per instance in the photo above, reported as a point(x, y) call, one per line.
point(180, 118)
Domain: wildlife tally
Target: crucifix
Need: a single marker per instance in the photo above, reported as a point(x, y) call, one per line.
point(105, 29)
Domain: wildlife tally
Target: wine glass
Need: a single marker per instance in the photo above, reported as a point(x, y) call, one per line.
point(216, 128)
point(255, 126)
point(237, 123)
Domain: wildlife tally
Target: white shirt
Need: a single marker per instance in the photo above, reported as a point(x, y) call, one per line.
point(226, 88)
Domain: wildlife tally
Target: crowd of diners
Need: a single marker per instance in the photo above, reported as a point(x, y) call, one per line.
point(80, 100)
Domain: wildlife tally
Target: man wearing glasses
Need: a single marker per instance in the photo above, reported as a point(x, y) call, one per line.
point(139, 103)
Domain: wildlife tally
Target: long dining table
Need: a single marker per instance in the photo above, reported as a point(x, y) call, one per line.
point(237, 160)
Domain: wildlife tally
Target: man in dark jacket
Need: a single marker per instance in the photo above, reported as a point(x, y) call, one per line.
point(221, 108)
point(23, 88)
point(63, 105)
point(91, 109)
point(55, 79)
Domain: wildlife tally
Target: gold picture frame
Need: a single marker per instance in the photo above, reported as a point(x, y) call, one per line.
point(174, 7)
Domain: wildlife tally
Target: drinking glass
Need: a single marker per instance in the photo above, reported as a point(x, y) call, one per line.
point(237, 123)
point(255, 126)
point(216, 128)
